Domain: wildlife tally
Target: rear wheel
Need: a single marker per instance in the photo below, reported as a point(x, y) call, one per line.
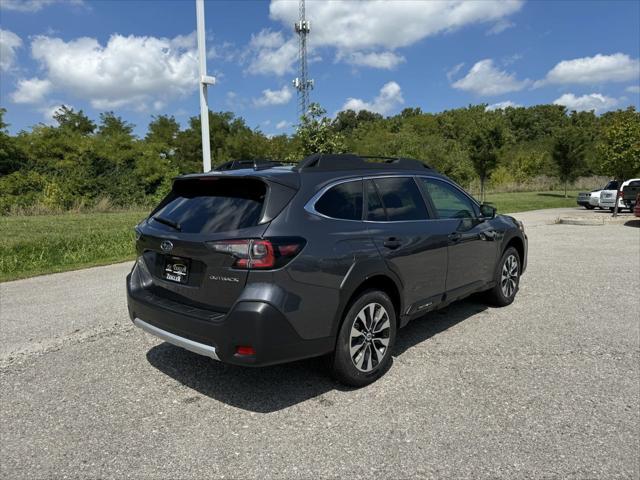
point(507, 279)
point(366, 339)
point(589, 207)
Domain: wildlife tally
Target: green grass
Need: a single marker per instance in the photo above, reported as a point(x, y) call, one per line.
point(39, 244)
point(34, 245)
point(523, 201)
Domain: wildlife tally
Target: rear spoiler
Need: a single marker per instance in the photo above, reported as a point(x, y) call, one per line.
point(288, 179)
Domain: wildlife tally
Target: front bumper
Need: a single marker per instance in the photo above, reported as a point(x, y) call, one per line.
point(217, 335)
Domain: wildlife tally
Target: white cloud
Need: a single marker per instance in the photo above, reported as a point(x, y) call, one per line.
point(384, 60)
point(454, 71)
point(31, 90)
point(9, 43)
point(274, 97)
point(367, 33)
point(35, 5)
point(349, 25)
point(271, 53)
point(282, 125)
point(390, 96)
point(633, 89)
point(594, 101)
point(503, 105)
point(500, 26)
point(134, 72)
point(618, 67)
point(485, 79)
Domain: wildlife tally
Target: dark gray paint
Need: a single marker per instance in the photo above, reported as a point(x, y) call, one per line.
point(428, 268)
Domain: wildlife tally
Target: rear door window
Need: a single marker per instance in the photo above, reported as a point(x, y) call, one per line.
point(401, 199)
point(212, 205)
point(344, 201)
point(375, 209)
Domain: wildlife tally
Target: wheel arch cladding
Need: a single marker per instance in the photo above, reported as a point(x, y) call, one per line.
point(515, 242)
point(380, 282)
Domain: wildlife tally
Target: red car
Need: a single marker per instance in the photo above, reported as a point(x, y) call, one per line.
point(636, 209)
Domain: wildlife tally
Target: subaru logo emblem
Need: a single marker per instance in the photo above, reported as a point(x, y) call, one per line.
point(166, 246)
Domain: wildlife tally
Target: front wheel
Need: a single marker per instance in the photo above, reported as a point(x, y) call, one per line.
point(507, 279)
point(366, 339)
point(589, 207)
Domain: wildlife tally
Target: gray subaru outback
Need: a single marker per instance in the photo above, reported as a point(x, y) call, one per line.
point(258, 263)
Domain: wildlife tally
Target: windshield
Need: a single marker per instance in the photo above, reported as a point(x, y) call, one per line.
point(612, 185)
point(211, 205)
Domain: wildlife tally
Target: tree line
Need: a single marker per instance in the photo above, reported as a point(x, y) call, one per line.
point(78, 162)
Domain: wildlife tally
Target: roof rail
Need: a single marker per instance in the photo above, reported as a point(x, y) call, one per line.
point(320, 162)
point(259, 164)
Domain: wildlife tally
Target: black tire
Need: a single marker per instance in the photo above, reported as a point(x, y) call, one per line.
point(611, 209)
point(589, 207)
point(373, 363)
point(502, 294)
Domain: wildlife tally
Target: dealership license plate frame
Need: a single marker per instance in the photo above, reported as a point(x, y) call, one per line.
point(176, 269)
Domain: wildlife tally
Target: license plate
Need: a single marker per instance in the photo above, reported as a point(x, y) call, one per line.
point(176, 269)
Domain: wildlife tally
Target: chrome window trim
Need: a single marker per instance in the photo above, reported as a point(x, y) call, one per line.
point(310, 205)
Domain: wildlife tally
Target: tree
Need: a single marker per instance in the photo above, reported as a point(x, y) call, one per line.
point(316, 134)
point(163, 130)
point(68, 118)
point(619, 148)
point(568, 153)
point(486, 139)
point(112, 125)
point(12, 158)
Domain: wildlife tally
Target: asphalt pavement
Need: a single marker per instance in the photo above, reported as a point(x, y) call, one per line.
point(547, 387)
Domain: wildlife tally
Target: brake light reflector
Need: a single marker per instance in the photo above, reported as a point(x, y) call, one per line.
point(245, 350)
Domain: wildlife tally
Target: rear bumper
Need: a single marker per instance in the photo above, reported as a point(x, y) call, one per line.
point(196, 347)
point(256, 324)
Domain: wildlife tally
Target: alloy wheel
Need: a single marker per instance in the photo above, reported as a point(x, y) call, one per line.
point(509, 277)
point(369, 338)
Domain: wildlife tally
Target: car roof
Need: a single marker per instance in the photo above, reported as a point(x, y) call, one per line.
point(319, 168)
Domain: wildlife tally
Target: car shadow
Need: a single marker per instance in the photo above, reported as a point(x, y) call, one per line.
point(269, 389)
point(632, 223)
point(554, 195)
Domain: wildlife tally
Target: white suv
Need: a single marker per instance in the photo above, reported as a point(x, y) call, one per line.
point(608, 196)
point(591, 200)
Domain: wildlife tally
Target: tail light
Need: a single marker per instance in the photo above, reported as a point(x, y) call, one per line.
point(258, 253)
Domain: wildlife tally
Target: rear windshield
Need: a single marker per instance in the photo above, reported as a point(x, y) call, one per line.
point(211, 205)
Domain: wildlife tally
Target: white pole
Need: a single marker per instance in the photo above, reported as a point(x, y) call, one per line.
point(203, 82)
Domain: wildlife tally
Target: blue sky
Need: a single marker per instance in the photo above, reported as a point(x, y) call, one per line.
point(138, 58)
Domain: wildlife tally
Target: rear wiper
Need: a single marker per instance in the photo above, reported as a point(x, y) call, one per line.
point(168, 222)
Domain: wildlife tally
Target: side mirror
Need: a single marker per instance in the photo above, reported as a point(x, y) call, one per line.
point(487, 211)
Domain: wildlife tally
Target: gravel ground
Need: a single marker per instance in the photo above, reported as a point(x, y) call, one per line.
point(548, 387)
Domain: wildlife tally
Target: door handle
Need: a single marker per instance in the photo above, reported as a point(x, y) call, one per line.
point(454, 237)
point(392, 243)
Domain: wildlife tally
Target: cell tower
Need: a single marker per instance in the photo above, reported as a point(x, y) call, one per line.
point(301, 83)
